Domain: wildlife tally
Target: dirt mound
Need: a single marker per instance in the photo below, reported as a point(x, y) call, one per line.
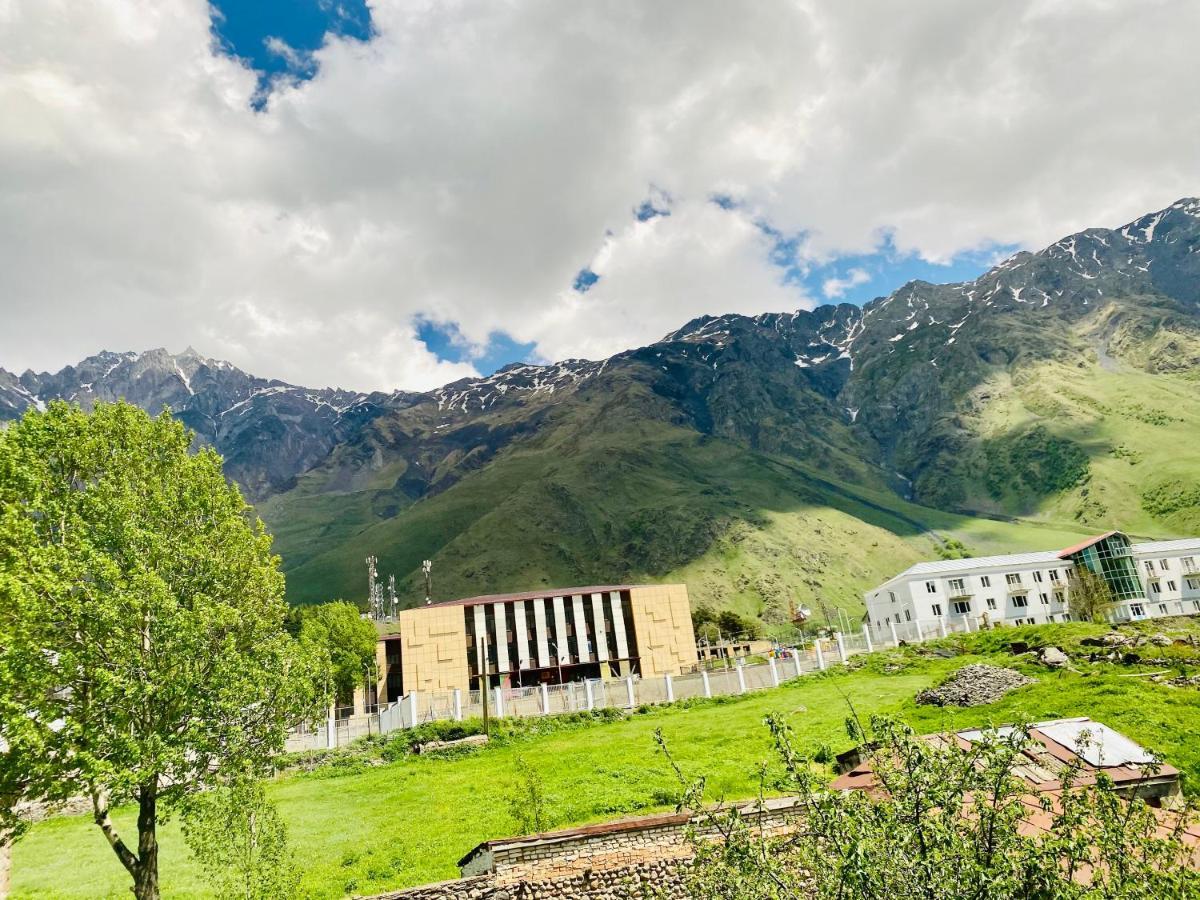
point(973, 685)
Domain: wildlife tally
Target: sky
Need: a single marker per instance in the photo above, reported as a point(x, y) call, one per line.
point(383, 194)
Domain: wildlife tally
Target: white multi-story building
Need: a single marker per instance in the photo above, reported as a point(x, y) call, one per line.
point(1158, 578)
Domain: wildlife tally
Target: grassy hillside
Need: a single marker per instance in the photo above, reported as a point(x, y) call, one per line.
point(616, 483)
point(370, 829)
point(1097, 443)
point(650, 501)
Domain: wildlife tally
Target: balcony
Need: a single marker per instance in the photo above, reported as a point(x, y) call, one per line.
point(967, 593)
point(1017, 589)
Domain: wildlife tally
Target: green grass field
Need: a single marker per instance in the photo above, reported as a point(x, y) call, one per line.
point(408, 822)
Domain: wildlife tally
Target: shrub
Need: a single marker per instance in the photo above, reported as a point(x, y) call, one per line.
point(911, 838)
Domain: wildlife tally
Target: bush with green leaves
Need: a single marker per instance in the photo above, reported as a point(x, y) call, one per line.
point(945, 824)
point(237, 836)
point(528, 804)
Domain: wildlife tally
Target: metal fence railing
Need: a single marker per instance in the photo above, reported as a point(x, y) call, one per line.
point(739, 677)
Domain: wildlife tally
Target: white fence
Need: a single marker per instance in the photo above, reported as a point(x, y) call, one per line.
point(620, 693)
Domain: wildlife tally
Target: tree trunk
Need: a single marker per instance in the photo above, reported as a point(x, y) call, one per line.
point(5, 862)
point(145, 877)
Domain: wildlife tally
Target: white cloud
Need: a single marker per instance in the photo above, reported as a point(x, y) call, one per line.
point(836, 286)
point(464, 164)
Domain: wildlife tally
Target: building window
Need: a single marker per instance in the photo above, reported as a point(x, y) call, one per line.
point(1189, 563)
point(930, 587)
point(1196, 605)
point(991, 602)
point(962, 607)
point(1054, 574)
point(1137, 609)
point(1059, 597)
point(1020, 601)
point(1013, 577)
point(908, 615)
point(1163, 564)
point(892, 595)
point(1066, 617)
point(937, 609)
point(1045, 598)
point(1149, 564)
point(985, 581)
point(1037, 576)
point(956, 587)
point(1162, 609)
point(1156, 587)
point(1170, 585)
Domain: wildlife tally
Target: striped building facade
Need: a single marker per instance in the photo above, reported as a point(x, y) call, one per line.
point(541, 637)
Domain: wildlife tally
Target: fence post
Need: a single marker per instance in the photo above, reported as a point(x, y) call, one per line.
point(741, 673)
point(867, 636)
point(841, 645)
point(942, 625)
point(412, 709)
point(458, 704)
point(589, 695)
point(545, 700)
point(707, 684)
point(796, 661)
point(820, 654)
point(670, 689)
point(629, 691)
point(330, 730)
point(774, 671)
point(895, 639)
point(499, 702)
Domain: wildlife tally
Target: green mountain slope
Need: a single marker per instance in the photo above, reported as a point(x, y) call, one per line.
point(794, 458)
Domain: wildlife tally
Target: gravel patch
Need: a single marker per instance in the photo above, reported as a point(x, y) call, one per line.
point(973, 685)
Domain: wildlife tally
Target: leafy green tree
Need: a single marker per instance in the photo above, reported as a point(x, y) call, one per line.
point(14, 787)
point(944, 824)
point(726, 624)
point(141, 614)
point(1088, 595)
point(237, 836)
point(340, 630)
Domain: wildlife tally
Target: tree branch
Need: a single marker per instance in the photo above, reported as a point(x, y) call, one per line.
point(100, 814)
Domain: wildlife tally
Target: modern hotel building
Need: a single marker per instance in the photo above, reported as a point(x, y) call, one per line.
point(1147, 580)
point(539, 637)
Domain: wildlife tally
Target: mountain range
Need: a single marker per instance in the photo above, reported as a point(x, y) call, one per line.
point(780, 460)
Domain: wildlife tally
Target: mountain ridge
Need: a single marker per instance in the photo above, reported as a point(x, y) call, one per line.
point(979, 398)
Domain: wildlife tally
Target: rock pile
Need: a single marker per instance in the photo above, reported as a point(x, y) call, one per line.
point(1054, 658)
point(973, 685)
point(1184, 681)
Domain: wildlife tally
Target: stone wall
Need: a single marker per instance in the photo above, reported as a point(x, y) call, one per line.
point(636, 858)
point(660, 879)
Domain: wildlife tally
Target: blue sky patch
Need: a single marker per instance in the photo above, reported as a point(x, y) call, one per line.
point(584, 280)
point(446, 342)
point(276, 38)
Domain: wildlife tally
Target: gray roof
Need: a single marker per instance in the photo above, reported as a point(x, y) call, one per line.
point(982, 562)
point(1185, 545)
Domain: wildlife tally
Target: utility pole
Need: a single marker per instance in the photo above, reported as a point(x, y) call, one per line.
point(825, 613)
point(427, 571)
